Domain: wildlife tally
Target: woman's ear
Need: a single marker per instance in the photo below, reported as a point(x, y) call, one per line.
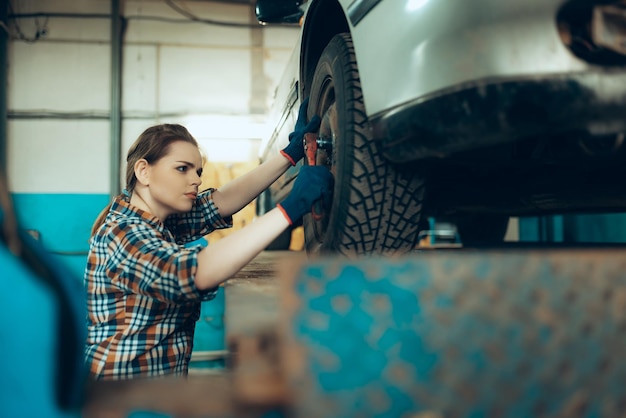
point(142, 172)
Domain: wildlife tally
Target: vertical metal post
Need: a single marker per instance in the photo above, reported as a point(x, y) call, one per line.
point(4, 45)
point(259, 87)
point(117, 31)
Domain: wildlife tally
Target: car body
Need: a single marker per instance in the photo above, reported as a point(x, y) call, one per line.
point(467, 111)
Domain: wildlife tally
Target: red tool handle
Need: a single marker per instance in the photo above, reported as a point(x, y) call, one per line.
point(310, 148)
point(310, 151)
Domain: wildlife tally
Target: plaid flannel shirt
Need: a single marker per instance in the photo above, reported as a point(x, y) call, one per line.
point(142, 301)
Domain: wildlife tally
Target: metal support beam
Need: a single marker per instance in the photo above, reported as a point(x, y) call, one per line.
point(259, 87)
point(4, 39)
point(117, 32)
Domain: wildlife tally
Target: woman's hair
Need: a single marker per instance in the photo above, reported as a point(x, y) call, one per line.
point(152, 145)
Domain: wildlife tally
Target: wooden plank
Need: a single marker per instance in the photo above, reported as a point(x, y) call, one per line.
point(252, 295)
point(251, 318)
point(206, 396)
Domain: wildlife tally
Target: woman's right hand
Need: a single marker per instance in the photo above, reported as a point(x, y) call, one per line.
point(312, 184)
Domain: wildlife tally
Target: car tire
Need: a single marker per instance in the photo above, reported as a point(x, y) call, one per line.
point(376, 205)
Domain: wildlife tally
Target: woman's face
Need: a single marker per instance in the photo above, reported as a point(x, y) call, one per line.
point(174, 180)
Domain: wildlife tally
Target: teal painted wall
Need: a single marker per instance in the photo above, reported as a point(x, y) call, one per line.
point(63, 221)
point(601, 228)
point(587, 228)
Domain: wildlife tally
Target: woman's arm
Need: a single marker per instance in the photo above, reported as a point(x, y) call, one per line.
point(233, 196)
point(237, 193)
point(222, 259)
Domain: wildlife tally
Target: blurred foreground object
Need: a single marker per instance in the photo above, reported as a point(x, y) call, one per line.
point(42, 326)
point(457, 334)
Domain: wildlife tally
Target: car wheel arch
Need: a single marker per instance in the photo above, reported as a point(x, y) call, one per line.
point(325, 17)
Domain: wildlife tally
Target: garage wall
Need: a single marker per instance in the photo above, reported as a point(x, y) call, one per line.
point(218, 80)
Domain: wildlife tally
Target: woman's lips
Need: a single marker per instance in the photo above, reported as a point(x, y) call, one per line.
point(191, 195)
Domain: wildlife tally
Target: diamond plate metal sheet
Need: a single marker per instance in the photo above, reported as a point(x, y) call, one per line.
point(516, 333)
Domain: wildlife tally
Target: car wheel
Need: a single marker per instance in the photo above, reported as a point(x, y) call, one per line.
point(376, 205)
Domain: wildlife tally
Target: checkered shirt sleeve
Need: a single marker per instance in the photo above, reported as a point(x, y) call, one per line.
point(198, 222)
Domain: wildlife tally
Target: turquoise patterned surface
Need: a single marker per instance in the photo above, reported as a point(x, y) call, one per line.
point(460, 334)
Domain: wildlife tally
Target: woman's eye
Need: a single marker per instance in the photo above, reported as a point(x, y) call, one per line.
point(182, 169)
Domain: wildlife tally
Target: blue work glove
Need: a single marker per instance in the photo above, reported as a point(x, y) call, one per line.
point(312, 184)
point(294, 152)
